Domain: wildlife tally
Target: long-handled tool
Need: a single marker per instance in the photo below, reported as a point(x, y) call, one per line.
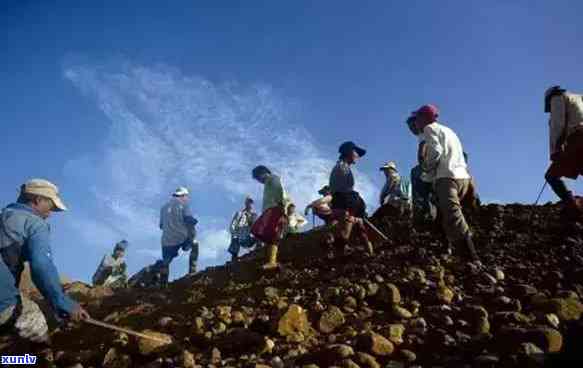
point(535, 204)
point(541, 193)
point(376, 230)
point(94, 322)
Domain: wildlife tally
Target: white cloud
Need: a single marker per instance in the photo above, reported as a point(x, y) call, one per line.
point(168, 129)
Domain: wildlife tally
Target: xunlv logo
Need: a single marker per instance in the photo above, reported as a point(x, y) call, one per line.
point(18, 359)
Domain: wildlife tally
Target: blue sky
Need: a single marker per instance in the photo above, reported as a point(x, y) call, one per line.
point(121, 103)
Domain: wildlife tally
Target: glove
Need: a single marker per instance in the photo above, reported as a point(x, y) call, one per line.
point(31, 324)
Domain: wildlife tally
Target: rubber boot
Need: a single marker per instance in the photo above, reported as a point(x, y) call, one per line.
point(573, 208)
point(370, 248)
point(271, 257)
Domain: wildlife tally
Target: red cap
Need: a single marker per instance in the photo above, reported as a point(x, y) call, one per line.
point(431, 112)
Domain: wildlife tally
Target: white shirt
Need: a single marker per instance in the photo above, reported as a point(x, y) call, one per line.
point(566, 116)
point(444, 154)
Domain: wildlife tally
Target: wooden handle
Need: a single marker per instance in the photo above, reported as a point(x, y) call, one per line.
point(385, 238)
point(94, 322)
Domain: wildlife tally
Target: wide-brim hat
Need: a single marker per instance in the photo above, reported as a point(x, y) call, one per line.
point(181, 191)
point(346, 147)
point(45, 188)
point(391, 165)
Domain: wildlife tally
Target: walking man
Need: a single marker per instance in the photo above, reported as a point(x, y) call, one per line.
point(444, 161)
point(348, 207)
point(275, 200)
point(566, 146)
point(178, 232)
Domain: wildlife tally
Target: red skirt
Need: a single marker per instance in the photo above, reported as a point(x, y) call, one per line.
point(569, 164)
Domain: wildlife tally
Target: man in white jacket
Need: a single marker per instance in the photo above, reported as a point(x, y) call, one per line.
point(444, 161)
point(566, 145)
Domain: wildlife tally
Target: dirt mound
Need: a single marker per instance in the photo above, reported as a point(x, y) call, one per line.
point(412, 304)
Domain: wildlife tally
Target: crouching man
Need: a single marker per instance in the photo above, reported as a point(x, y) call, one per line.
point(25, 237)
point(112, 271)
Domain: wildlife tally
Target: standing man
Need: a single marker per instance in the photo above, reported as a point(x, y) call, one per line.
point(178, 232)
point(25, 237)
point(274, 198)
point(444, 161)
point(112, 271)
point(241, 229)
point(566, 146)
point(348, 207)
point(396, 192)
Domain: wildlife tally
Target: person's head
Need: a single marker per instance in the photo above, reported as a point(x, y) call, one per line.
point(261, 174)
point(389, 169)
point(182, 194)
point(120, 249)
point(42, 196)
point(248, 203)
point(550, 93)
point(350, 152)
point(426, 115)
point(411, 124)
point(325, 191)
point(291, 209)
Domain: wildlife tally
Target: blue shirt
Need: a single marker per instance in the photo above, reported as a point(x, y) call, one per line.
point(176, 222)
point(21, 227)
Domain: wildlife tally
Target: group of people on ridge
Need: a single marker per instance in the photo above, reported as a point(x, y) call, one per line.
point(441, 180)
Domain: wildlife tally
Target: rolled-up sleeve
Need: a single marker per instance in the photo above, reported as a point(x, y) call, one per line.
point(433, 149)
point(44, 273)
point(557, 123)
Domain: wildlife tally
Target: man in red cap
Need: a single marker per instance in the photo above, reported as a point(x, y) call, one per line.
point(566, 146)
point(443, 160)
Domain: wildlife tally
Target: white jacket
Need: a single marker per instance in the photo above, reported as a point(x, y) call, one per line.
point(444, 154)
point(566, 116)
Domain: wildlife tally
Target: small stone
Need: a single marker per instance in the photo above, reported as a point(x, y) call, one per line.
point(349, 363)
point(350, 304)
point(401, 312)
point(394, 364)
point(489, 279)
point(113, 359)
point(187, 359)
point(524, 290)
point(238, 318)
point(549, 339)
point(419, 323)
point(444, 294)
point(528, 348)
point(482, 326)
point(276, 362)
point(375, 344)
point(499, 274)
point(149, 346)
point(340, 351)
point(372, 289)
point(216, 356)
point(408, 355)
point(367, 360)
point(271, 293)
point(294, 324)
point(165, 321)
point(487, 359)
point(553, 320)
point(390, 294)
point(395, 333)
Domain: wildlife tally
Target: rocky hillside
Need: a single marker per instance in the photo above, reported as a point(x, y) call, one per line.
point(410, 305)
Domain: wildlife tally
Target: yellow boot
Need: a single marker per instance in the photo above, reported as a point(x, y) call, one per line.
point(370, 248)
point(271, 257)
